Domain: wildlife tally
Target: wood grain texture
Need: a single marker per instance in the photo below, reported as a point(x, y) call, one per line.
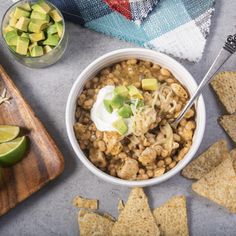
point(44, 161)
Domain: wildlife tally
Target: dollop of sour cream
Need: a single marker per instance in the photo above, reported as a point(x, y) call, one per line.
point(101, 117)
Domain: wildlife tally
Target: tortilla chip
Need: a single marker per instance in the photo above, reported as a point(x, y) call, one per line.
point(224, 85)
point(207, 161)
point(233, 156)
point(219, 185)
point(228, 122)
point(92, 224)
point(171, 217)
point(136, 218)
point(85, 203)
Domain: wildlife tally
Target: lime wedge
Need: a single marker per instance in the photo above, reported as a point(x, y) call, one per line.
point(13, 151)
point(8, 133)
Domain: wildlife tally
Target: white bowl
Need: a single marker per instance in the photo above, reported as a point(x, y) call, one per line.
point(144, 54)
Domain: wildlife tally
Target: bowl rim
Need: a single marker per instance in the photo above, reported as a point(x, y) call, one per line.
point(78, 85)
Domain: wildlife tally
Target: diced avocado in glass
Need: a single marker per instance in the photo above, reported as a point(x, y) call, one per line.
point(22, 45)
point(52, 40)
point(47, 49)
point(52, 29)
point(12, 21)
point(8, 29)
point(41, 6)
point(59, 29)
point(22, 24)
point(37, 51)
point(36, 25)
point(11, 37)
point(55, 15)
point(26, 6)
point(37, 22)
point(107, 104)
point(32, 45)
point(122, 91)
point(117, 101)
point(39, 16)
point(25, 35)
point(150, 84)
point(35, 37)
point(120, 126)
point(125, 111)
point(20, 12)
point(134, 92)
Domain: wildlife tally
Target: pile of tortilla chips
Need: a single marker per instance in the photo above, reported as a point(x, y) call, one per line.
point(136, 218)
point(215, 172)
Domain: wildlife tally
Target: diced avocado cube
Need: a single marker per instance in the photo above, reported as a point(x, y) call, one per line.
point(55, 15)
point(52, 40)
point(40, 16)
point(35, 37)
point(32, 45)
point(26, 6)
point(117, 101)
point(11, 37)
point(47, 49)
point(20, 12)
point(59, 29)
point(36, 51)
point(25, 35)
point(125, 111)
point(120, 126)
point(107, 104)
point(52, 29)
point(134, 92)
point(22, 45)
point(37, 25)
point(122, 91)
point(22, 24)
point(150, 84)
point(8, 29)
point(12, 21)
point(41, 6)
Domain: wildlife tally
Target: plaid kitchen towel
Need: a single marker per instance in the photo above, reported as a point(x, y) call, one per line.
point(175, 27)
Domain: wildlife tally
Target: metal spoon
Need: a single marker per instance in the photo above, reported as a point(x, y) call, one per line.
point(227, 50)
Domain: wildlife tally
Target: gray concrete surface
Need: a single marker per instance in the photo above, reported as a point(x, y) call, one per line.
point(49, 211)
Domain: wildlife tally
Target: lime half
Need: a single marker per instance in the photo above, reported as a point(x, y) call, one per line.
point(8, 133)
point(13, 151)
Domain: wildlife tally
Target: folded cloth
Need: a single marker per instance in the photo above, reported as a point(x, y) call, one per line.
point(135, 10)
point(175, 27)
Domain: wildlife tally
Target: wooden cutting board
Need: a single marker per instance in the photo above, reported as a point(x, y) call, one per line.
point(44, 161)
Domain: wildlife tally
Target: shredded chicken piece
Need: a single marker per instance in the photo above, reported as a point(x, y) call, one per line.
point(97, 158)
point(128, 169)
point(143, 120)
point(148, 156)
point(113, 144)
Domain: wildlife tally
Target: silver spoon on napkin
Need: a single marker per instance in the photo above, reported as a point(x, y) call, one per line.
point(225, 53)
